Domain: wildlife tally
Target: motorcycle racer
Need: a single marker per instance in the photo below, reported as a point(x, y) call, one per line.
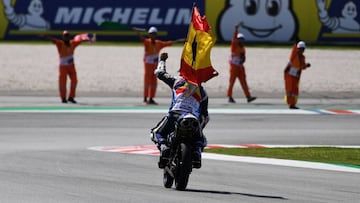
point(186, 98)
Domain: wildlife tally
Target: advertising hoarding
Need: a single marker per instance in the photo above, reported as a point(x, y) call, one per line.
point(285, 20)
point(23, 19)
point(335, 21)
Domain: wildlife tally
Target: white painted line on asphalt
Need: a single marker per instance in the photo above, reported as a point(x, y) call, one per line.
point(152, 150)
point(146, 110)
point(293, 146)
point(355, 111)
point(281, 162)
point(260, 111)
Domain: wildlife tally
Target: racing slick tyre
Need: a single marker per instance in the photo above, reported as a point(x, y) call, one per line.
point(184, 167)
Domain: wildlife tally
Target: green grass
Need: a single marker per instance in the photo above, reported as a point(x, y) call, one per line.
point(343, 156)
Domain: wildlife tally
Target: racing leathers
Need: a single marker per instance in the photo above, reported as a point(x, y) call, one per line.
point(186, 98)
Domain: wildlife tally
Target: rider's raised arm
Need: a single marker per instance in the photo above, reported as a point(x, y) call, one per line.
point(161, 73)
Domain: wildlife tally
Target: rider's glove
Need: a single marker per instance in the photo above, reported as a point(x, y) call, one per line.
point(161, 68)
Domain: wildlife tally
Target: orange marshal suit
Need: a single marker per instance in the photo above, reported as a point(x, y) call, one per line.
point(292, 74)
point(66, 67)
point(151, 58)
point(237, 69)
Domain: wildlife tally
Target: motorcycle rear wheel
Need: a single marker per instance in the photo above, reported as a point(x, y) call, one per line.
point(184, 167)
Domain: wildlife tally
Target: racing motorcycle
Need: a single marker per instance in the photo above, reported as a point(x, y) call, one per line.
point(181, 141)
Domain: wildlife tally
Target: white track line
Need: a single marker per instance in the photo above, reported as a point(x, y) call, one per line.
point(152, 150)
point(163, 111)
point(281, 162)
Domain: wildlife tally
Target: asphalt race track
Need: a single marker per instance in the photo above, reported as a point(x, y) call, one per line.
point(44, 157)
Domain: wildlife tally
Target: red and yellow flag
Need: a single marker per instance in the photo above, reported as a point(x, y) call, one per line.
point(195, 60)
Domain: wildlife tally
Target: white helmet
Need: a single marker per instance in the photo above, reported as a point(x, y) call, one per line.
point(65, 32)
point(301, 44)
point(152, 30)
point(240, 36)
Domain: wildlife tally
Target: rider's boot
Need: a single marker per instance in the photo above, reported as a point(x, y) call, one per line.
point(164, 155)
point(196, 158)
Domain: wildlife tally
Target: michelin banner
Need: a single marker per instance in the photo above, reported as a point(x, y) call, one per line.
point(24, 19)
point(334, 21)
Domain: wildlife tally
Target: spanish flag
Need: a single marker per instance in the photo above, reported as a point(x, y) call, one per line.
point(195, 60)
